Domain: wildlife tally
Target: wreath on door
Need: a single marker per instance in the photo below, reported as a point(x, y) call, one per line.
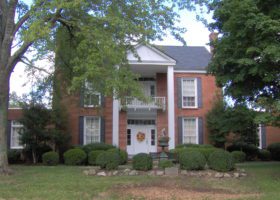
point(140, 136)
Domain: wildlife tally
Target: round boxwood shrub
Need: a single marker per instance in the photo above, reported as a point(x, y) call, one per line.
point(50, 158)
point(238, 156)
point(142, 161)
point(264, 155)
point(165, 164)
point(221, 160)
point(108, 160)
point(74, 157)
point(93, 155)
point(192, 160)
point(274, 150)
point(123, 155)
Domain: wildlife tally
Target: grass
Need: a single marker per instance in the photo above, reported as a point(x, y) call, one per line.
point(64, 182)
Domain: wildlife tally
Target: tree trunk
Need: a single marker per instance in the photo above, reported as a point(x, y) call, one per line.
point(4, 98)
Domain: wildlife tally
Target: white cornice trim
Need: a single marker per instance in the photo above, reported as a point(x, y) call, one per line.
point(191, 71)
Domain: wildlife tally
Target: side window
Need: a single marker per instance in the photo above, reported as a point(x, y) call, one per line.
point(153, 137)
point(128, 137)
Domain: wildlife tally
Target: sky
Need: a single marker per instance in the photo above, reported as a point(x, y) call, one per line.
point(197, 35)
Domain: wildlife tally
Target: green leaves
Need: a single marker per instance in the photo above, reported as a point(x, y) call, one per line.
point(246, 61)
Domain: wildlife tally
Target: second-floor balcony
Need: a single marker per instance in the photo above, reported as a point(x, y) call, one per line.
point(151, 103)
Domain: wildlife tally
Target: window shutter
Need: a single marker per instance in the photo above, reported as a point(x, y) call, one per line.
point(200, 130)
point(263, 135)
point(82, 95)
point(180, 130)
point(199, 93)
point(9, 128)
point(102, 99)
point(179, 92)
point(81, 130)
point(102, 130)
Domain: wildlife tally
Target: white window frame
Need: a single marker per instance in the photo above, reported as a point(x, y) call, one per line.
point(87, 91)
point(84, 132)
point(260, 136)
point(12, 133)
point(195, 87)
point(197, 127)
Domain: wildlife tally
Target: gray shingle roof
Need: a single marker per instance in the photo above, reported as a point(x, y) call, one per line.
point(188, 57)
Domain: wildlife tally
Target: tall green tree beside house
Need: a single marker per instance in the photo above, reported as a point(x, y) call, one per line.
point(224, 120)
point(107, 29)
point(246, 60)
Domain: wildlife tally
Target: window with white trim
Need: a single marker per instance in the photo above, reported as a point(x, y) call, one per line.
point(190, 130)
point(16, 129)
point(189, 93)
point(91, 97)
point(92, 130)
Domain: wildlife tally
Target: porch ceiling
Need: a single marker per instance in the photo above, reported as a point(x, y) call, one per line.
point(148, 70)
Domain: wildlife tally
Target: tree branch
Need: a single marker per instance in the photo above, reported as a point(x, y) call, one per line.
point(17, 56)
point(27, 62)
point(21, 22)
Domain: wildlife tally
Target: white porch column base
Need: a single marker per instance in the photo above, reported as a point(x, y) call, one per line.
point(115, 122)
point(171, 107)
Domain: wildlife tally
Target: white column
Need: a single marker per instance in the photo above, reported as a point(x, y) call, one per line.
point(115, 119)
point(171, 107)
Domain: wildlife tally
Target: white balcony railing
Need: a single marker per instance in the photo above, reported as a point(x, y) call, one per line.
point(152, 103)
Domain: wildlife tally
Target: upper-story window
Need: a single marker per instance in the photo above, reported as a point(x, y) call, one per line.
point(16, 129)
point(91, 97)
point(189, 93)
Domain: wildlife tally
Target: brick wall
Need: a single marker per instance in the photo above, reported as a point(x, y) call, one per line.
point(162, 116)
point(74, 111)
point(209, 94)
point(272, 135)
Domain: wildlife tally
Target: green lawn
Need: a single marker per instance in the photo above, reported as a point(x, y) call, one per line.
point(63, 182)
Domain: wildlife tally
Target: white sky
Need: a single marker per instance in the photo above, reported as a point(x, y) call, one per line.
point(197, 35)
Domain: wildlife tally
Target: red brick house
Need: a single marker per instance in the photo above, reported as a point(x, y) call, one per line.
point(180, 92)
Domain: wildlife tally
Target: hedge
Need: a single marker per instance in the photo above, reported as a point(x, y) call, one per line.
point(50, 158)
point(93, 155)
point(192, 160)
point(108, 160)
point(274, 150)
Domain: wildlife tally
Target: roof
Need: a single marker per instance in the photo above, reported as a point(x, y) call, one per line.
point(188, 57)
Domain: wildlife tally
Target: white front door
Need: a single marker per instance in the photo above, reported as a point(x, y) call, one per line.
point(141, 139)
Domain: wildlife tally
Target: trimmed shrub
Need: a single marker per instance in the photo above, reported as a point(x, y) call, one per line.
point(108, 160)
point(194, 146)
point(93, 155)
point(142, 161)
point(274, 150)
point(123, 155)
point(221, 160)
point(264, 155)
point(96, 146)
point(74, 157)
point(50, 158)
point(165, 164)
point(238, 156)
point(250, 150)
point(14, 156)
point(191, 160)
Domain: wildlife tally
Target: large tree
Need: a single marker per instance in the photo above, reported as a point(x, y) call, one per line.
point(106, 31)
point(246, 60)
